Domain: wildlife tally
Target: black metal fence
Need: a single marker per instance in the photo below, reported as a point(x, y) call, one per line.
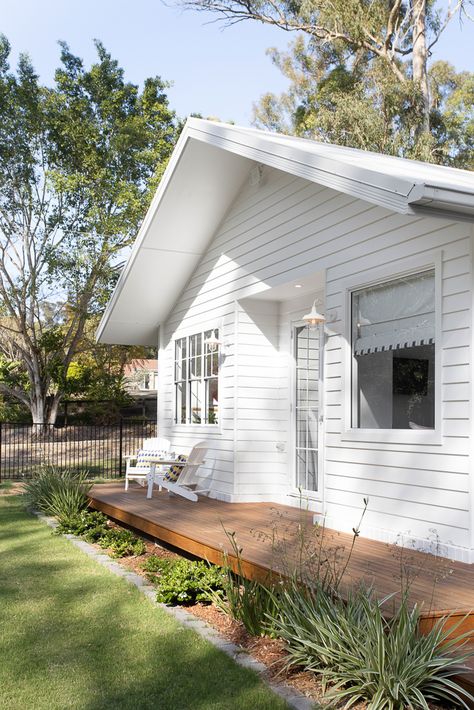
point(100, 450)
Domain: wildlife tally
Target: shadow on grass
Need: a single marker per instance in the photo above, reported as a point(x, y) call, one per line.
point(76, 637)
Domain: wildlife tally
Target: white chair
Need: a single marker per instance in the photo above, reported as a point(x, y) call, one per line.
point(140, 464)
point(180, 478)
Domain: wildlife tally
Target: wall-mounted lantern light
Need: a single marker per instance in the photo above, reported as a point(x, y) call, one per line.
point(213, 342)
point(314, 318)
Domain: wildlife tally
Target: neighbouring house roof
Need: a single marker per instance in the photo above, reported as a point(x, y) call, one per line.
point(140, 365)
point(208, 167)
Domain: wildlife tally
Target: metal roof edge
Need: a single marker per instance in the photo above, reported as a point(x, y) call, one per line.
point(370, 185)
point(154, 204)
point(405, 196)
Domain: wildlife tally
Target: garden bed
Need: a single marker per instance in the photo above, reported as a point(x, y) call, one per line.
point(300, 628)
point(269, 651)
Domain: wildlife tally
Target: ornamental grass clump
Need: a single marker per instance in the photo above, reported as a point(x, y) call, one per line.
point(365, 655)
point(61, 492)
point(254, 604)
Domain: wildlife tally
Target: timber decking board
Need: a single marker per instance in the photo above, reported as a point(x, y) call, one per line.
point(199, 528)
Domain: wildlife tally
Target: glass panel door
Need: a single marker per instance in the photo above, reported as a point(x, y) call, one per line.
point(307, 407)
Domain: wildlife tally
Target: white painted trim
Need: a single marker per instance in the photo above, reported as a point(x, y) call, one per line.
point(142, 232)
point(471, 376)
point(399, 185)
point(392, 436)
point(317, 495)
point(235, 482)
point(187, 332)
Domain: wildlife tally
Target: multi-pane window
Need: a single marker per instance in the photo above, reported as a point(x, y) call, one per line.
point(307, 359)
point(196, 370)
point(393, 345)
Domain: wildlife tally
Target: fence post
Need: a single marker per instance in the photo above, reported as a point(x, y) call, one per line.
point(120, 447)
point(1, 452)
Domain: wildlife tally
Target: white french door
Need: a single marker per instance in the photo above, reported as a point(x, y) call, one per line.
point(308, 408)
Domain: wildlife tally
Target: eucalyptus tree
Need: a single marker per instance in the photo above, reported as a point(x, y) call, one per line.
point(389, 38)
point(362, 105)
point(79, 161)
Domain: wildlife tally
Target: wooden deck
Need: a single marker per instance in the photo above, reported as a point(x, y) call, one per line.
point(441, 586)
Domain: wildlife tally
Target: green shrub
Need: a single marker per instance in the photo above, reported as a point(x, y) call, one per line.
point(183, 581)
point(83, 523)
point(122, 543)
point(155, 566)
point(366, 656)
point(61, 492)
point(93, 526)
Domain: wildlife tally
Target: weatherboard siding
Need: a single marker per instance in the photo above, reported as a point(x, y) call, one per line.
point(288, 228)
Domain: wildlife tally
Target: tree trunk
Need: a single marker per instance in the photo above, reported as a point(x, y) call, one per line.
point(420, 54)
point(53, 406)
point(37, 411)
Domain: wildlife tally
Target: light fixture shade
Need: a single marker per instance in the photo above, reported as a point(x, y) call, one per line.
point(313, 318)
point(212, 342)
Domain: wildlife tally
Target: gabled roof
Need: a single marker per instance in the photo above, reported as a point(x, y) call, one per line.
point(206, 171)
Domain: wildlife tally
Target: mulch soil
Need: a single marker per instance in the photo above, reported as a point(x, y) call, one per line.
point(270, 652)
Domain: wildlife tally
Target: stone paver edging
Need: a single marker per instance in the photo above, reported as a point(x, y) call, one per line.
point(295, 700)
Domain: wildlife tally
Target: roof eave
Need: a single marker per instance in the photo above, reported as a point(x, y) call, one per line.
point(157, 198)
point(450, 203)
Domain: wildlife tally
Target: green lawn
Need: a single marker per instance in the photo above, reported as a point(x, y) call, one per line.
point(72, 635)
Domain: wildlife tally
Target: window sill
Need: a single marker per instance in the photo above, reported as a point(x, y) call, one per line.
point(431, 437)
point(198, 428)
point(309, 496)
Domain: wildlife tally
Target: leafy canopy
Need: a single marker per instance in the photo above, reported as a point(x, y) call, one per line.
point(79, 162)
point(359, 103)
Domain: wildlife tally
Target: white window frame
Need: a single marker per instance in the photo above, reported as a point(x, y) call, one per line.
point(318, 495)
point(190, 426)
point(409, 267)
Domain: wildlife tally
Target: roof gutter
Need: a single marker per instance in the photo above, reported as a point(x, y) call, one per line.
point(451, 202)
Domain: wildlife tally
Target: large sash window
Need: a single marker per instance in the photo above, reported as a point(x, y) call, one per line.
point(196, 370)
point(393, 345)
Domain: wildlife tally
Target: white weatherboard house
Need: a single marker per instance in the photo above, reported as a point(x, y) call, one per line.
point(246, 231)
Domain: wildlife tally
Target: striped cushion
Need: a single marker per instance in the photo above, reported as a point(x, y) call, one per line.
point(172, 474)
point(145, 457)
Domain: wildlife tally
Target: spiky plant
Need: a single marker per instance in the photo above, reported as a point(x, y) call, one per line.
point(365, 655)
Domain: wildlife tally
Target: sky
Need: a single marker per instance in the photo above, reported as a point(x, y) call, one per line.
point(214, 71)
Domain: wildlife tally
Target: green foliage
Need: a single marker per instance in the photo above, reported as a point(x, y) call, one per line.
point(61, 492)
point(83, 523)
point(13, 411)
point(79, 161)
point(184, 581)
point(366, 656)
point(253, 604)
point(362, 104)
point(94, 527)
point(154, 566)
point(122, 543)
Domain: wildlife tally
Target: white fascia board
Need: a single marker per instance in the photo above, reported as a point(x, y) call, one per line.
point(406, 196)
point(448, 200)
point(388, 191)
point(142, 232)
